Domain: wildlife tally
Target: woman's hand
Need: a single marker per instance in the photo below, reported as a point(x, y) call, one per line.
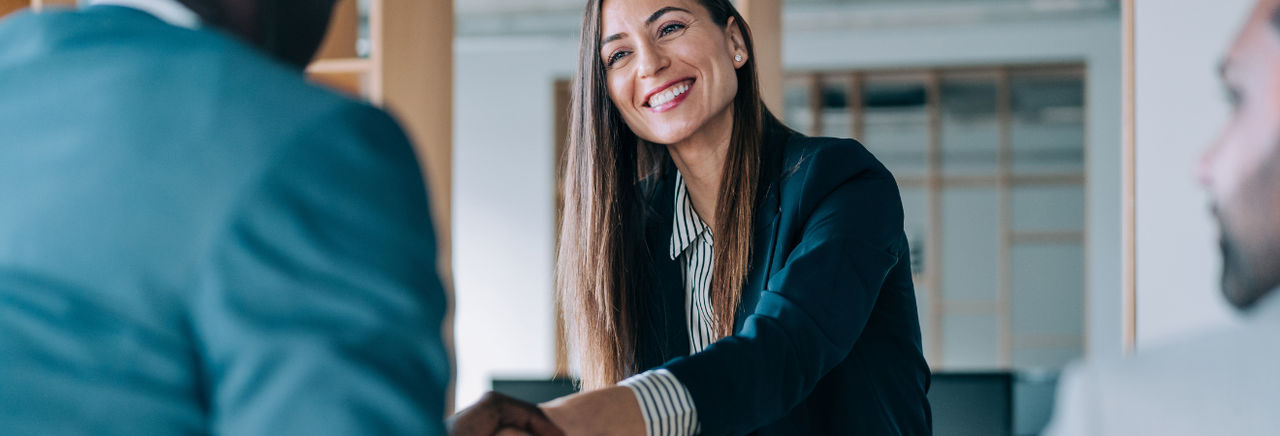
point(608, 411)
point(502, 415)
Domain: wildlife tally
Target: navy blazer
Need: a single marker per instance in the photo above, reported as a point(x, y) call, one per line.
point(827, 339)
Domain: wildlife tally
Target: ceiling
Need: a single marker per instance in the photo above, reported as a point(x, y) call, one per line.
point(468, 7)
point(563, 17)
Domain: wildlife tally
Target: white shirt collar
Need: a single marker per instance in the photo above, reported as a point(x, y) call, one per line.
point(170, 11)
point(687, 226)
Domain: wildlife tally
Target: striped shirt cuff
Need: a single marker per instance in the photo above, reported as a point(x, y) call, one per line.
point(665, 403)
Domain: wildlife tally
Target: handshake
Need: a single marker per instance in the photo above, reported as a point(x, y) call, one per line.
point(498, 414)
point(612, 410)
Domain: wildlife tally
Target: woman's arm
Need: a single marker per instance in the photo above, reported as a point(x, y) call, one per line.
point(608, 411)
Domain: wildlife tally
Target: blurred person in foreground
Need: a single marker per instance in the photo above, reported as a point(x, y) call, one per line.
point(194, 240)
point(1224, 382)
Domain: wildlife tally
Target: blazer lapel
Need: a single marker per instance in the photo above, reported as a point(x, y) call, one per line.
point(667, 333)
point(765, 224)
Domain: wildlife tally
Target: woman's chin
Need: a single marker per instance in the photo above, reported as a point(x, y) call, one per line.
point(668, 136)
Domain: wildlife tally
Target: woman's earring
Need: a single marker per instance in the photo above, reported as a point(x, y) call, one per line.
point(737, 58)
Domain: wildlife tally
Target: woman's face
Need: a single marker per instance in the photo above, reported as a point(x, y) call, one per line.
point(670, 69)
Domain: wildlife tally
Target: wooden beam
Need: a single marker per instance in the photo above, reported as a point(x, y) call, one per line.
point(352, 84)
point(968, 181)
point(1004, 116)
point(563, 92)
point(815, 105)
point(764, 17)
point(344, 26)
point(933, 248)
point(41, 4)
point(341, 66)
point(1129, 303)
point(413, 44)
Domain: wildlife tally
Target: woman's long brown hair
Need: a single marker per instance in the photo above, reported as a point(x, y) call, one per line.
point(601, 270)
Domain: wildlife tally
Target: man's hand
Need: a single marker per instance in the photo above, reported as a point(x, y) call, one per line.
point(496, 412)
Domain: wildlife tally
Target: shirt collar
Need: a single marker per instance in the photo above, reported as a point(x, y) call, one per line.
point(169, 11)
point(687, 227)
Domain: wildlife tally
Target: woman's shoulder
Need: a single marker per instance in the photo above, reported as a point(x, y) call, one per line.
point(814, 166)
point(830, 155)
point(838, 184)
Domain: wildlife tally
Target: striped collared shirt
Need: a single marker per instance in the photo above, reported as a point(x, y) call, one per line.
point(665, 403)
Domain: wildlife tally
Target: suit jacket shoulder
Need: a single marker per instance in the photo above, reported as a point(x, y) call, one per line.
point(815, 168)
point(192, 212)
point(1218, 382)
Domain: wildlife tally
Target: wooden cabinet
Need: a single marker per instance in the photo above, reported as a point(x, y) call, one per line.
point(398, 54)
point(402, 60)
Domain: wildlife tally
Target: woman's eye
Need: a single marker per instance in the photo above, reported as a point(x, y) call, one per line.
point(615, 57)
point(670, 28)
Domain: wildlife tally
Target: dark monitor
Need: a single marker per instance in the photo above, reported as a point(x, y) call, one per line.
point(963, 404)
point(535, 390)
point(972, 404)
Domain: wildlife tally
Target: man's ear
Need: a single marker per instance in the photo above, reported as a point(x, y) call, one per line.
point(737, 43)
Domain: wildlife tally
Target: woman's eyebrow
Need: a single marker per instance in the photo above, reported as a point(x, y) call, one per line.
point(661, 12)
point(654, 17)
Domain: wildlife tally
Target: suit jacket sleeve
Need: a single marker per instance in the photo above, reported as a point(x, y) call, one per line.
point(812, 310)
point(319, 308)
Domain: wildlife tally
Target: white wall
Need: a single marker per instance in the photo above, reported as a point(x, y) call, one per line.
point(503, 115)
point(1179, 109)
point(503, 218)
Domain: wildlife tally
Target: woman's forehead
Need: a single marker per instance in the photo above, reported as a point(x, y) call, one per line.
point(631, 12)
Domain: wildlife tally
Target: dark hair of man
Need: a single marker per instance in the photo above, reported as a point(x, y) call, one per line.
point(290, 30)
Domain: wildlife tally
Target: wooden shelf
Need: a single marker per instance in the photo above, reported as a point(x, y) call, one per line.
point(1046, 237)
point(1048, 340)
point(970, 307)
point(341, 66)
point(1073, 178)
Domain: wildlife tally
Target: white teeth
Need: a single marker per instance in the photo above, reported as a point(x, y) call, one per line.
point(664, 97)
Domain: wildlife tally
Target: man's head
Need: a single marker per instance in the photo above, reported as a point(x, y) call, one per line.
point(290, 30)
point(1241, 170)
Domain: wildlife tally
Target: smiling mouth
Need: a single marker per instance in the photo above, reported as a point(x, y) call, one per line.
point(670, 97)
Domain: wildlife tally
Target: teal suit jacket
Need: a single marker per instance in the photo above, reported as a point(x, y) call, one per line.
point(194, 240)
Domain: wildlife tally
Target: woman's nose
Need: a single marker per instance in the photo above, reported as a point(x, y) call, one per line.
point(652, 61)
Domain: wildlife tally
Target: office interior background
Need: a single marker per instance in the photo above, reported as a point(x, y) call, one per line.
point(1044, 150)
point(1003, 121)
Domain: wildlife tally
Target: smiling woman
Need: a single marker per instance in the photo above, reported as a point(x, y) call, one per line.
point(720, 272)
point(649, 53)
